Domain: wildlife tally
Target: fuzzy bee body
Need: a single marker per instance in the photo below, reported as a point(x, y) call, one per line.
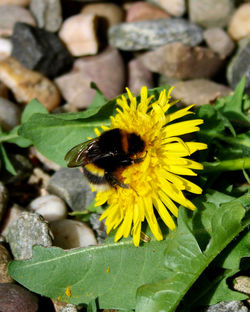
point(104, 157)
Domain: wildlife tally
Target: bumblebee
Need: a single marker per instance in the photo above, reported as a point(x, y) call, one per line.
point(104, 157)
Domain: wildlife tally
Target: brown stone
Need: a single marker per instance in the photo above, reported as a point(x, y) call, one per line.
point(140, 11)
point(4, 260)
point(183, 62)
point(28, 85)
point(239, 26)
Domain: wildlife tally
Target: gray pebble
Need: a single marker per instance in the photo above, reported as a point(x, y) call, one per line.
point(99, 227)
point(14, 298)
point(232, 306)
point(239, 66)
point(154, 33)
point(29, 230)
point(9, 114)
point(69, 308)
point(72, 186)
point(48, 14)
point(3, 199)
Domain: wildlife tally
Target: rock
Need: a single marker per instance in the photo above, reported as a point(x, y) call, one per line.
point(75, 86)
point(154, 33)
point(28, 230)
point(40, 50)
point(232, 306)
point(63, 306)
point(15, 2)
point(211, 13)
point(5, 258)
point(10, 114)
point(181, 61)
point(11, 14)
point(50, 207)
point(27, 85)
point(173, 7)
point(219, 41)
point(239, 66)
point(112, 13)
point(99, 227)
point(78, 32)
point(199, 91)
point(138, 76)
point(140, 11)
point(242, 284)
point(3, 199)
point(72, 187)
point(48, 14)
point(40, 178)
point(11, 216)
point(70, 308)
point(239, 26)
point(70, 234)
point(5, 47)
point(16, 298)
point(49, 164)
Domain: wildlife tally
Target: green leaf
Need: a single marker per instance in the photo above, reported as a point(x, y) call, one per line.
point(5, 160)
point(31, 108)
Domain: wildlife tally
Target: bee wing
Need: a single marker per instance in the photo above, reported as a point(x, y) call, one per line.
point(77, 155)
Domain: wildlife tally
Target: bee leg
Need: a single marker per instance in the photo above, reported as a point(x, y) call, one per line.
point(139, 160)
point(114, 181)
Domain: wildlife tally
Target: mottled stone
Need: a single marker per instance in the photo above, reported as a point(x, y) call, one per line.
point(64, 307)
point(112, 13)
point(139, 76)
point(72, 187)
point(154, 33)
point(79, 33)
point(199, 91)
point(14, 298)
point(140, 11)
point(28, 230)
point(10, 114)
point(219, 41)
point(182, 62)
point(173, 7)
point(239, 65)
point(232, 306)
point(48, 14)
point(11, 14)
point(5, 47)
point(75, 86)
point(70, 234)
point(5, 258)
point(239, 26)
point(50, 207)
point(242, 284)
point(27, 85)
point(211, 13)
point(40, 50)
point(3, 199)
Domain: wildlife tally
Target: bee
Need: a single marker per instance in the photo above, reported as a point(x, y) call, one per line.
point(104, 157)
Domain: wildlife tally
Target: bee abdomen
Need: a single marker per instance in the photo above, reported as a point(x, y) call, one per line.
point(93, 178)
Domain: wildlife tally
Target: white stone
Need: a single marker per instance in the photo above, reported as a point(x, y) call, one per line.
point(239, 26)
point(78, 32)
point(5, 47)
point(51, 207)
point(70, 234)
point(173, 7)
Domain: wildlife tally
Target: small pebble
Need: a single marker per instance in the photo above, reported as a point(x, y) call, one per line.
point(75, 85)
point(15, 2)
point(48, 14)
point(111, 12)
point(78, 32)
point(10, 114)
point(232, 306)
point(28, 230)
point(210, 13)
point(181, 61)
point(14, 298)
point(5, 47)
point(242, 284)
point(49, 164)
point(27, 85)
point(70, 234)
point(140, 11)
point(239, 26)
point(99, 227)
point(51, 207)
point(139, 76)
point(219, 41)
point(3, 199)
point(11, 216)
point(5, 258)
point(72, 186)
point(64, 307)
point(173, 7)
point(10, 15)
point(199, 91)
point(151, 34)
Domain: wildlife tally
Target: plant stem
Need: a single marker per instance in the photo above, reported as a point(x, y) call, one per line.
point(8, 137)
point(227, 165)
